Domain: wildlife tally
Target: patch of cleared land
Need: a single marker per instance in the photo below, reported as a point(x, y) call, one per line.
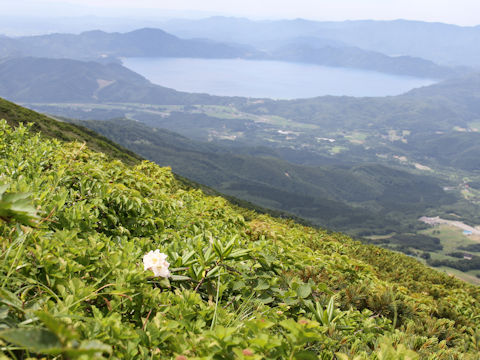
point(439, 221)
point(452, 237)
point(423, 167)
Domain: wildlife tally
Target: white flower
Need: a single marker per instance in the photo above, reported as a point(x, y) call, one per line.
point(156, 261)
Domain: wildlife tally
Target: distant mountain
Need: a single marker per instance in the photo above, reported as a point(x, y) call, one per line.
point(99, 44)
point(308, 41)
point(34, 79)
point(8, 47)
point(444, 44)
point(354, 57)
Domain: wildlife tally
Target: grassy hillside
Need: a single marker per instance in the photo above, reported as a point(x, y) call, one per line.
point(241, 285)
point(14, 115)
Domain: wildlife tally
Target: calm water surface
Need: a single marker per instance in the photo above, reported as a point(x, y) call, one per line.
point(271, 79)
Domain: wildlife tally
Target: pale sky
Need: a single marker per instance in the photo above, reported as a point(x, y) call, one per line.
point(460, 12)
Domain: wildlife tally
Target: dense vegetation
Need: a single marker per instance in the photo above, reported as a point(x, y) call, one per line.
point(14, 115)
point(67, 131)
point(473, 247)
point(404, 242)
point(75, 225)
point(470, 263)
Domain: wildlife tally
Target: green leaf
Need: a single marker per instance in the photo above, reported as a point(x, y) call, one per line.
point(8, 298)
point(3, 312)
point(37, 340)
point(266, 300)
point(213, 272)
point(17, 207)
point(91, 348)
point(262, 285)
point(63, 331)
point(238, 253)
point(238, 285)
point(305, 355)
point(179, 278)
point(304, 291)
point(3, 188)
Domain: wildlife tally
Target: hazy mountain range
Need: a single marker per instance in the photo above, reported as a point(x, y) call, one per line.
point(148, 42)
point(138, 43)
point(441, 43)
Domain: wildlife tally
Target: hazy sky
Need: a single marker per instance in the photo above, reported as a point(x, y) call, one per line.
point(461, 12)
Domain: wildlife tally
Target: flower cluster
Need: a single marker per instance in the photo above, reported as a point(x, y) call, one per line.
point(156, 261)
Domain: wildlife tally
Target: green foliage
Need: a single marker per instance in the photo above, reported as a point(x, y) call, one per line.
point(16, 207)
point(472, 263)
point(415, 241)
point(472, 247)
point(243, 285)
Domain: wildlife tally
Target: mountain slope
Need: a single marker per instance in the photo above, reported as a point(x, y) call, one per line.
point(63, 80)
point(241, 285)
point(438, 107)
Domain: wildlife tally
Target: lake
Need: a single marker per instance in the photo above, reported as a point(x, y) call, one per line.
point(270, 79)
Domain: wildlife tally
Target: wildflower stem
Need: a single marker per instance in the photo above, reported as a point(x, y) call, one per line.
point(146, 320)
point(214, 320)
